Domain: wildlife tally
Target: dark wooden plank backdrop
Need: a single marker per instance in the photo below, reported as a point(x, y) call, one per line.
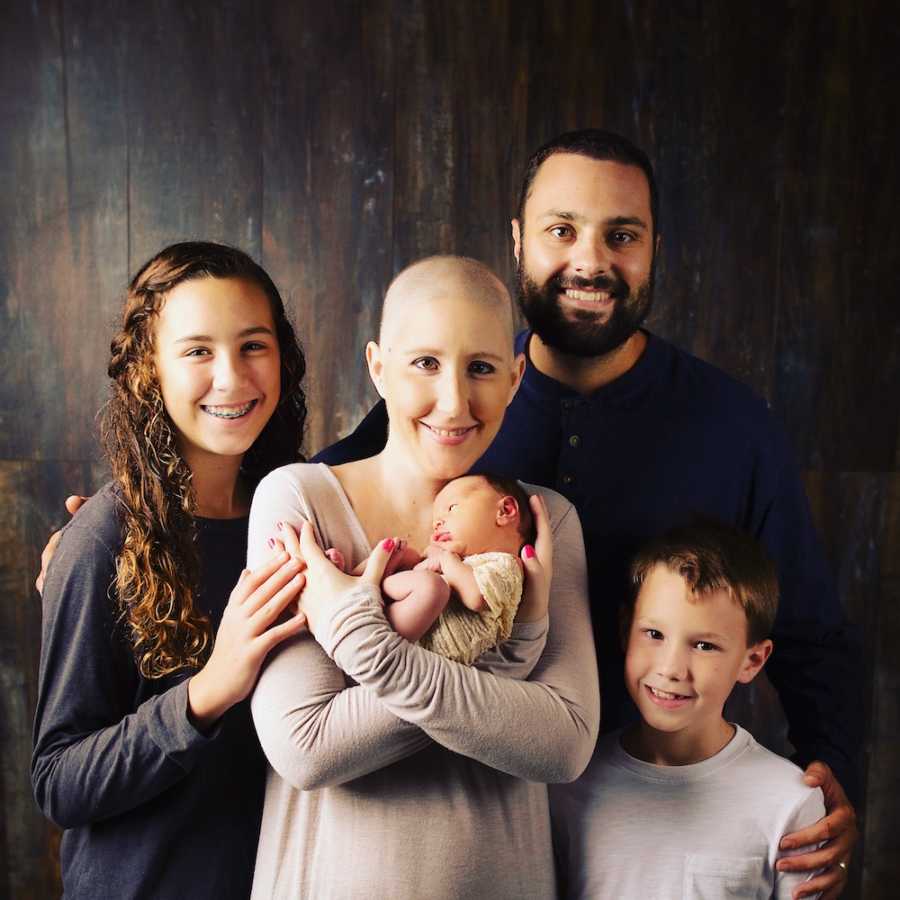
point(338, 142)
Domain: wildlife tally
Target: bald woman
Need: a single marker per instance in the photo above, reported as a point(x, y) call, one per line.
point(395, 772)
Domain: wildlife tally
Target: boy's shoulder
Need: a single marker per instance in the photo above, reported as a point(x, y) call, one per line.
point(743, 765)
point(767, 771)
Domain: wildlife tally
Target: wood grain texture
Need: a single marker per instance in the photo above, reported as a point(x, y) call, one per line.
point(194, 125)
point(328, 182)
point(838, 344)
point(880, 599)
point(339, 143)
point(858, 516)
point(33, 226)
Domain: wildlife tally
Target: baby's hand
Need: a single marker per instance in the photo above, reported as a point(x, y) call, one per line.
point(429, 564)
point(403, 558)
point(448, 557)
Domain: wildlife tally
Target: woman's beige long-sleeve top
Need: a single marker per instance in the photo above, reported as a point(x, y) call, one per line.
point(396, 773)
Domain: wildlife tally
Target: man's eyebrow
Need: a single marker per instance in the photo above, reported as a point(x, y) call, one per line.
point(613, 222)
point(559, 214)
point(254, 329)
point(637, 221)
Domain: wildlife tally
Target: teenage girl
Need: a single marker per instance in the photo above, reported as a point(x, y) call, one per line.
point(153, 633)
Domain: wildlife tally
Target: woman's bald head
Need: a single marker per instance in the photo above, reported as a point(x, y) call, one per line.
point(438, 277)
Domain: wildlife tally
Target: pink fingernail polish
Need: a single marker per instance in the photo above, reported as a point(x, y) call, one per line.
point(529, 552)
point(388, 544)
point(271, 543)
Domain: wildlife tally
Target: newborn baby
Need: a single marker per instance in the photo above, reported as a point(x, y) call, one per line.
point(461, 599)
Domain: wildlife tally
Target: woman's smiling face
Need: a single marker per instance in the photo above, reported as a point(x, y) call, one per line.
point(446, 369)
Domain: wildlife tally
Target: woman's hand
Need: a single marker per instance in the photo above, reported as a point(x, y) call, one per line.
point(538, 562)
point(246, 634)
point(324, 581)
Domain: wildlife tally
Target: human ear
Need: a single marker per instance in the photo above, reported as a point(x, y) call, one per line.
point(517, 374)
point(376, 366)
point(507, 510)
point(517, 238)
point(754, 659)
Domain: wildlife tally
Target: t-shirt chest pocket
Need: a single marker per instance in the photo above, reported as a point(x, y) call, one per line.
point(723, 877)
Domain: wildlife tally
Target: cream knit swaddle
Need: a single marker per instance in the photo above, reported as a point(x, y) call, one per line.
point(463, 635)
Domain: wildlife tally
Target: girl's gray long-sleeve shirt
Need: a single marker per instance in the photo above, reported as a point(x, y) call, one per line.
point(150, 806)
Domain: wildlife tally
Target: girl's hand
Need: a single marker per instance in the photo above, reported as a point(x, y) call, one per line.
point(538, 563)
point(246, 634)
point(324, 581)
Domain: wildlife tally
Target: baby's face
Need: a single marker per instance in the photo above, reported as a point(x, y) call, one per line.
point(468, 519)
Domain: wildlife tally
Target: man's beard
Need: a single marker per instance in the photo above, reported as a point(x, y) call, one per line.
point(578, 332)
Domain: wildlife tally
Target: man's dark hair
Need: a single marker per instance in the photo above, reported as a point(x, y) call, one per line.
point(595, 144)
point(504, 486)
point(711, 556)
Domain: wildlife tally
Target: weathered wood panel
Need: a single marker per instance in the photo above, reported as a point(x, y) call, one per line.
point(328, 182)
point(194, 125)
point(837, 337)
point(720, 247)
point(879, 602)
point(858, 516)
point(63, 228)
point(33, 236)
point(454, 137)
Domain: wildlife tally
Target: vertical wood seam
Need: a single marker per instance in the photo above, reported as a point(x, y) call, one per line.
point(65, 101)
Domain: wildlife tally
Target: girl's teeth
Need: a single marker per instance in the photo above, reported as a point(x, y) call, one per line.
point(229, 412)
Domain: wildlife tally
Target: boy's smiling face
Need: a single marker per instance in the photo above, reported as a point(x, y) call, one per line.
point(684, 654)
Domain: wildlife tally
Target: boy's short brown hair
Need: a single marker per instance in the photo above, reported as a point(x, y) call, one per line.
point(712, 556)
point(504, 486)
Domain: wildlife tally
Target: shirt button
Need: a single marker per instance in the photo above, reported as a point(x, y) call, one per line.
point(568, 404)
point(574, 441)
point(568, 479)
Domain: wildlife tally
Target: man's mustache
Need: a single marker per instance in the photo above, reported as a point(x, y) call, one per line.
point(615, 287)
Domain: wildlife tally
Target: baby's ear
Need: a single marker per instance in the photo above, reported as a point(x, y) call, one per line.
point(507, 510)
point(754, 659)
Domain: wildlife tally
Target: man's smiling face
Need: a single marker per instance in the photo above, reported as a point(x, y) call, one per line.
point(585, 254)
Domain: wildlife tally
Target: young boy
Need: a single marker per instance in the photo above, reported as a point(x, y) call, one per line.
point(684, 804)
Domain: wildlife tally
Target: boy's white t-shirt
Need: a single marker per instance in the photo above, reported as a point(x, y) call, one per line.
point(629, 829)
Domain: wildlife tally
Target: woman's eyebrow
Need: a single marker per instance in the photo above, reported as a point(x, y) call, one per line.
point(434, 351)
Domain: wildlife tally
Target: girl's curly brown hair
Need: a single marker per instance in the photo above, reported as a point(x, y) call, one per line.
point(157, 570)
